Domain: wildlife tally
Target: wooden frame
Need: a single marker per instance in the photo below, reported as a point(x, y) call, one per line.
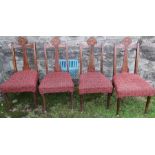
point(56, 44)
point(126, 43)
point(23, 45)
point(91, 66)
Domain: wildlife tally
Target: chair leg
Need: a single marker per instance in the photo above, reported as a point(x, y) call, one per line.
point(147, 104)
point(71, 100)
point(113, 89)
point(118, 106)
point(35, 99)
point(108, 100)
point(7, 101)
point(44, 103)
point(81, 103)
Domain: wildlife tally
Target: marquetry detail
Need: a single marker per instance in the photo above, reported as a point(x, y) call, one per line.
point(91, 42)
point(126, 42)
point(56, 42)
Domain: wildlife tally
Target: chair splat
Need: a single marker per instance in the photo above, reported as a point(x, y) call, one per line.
point(23, 41)
point(55, 42)
point(126, 42)
point(91, 42)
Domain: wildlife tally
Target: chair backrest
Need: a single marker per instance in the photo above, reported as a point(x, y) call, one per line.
point(126, 43)
point(56, 44)
point(91, 66)
point(24, 46)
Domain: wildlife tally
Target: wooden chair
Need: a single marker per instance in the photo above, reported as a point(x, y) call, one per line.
point(130, 84)
point(25, 80)
point(93, 81)
point(57, 81)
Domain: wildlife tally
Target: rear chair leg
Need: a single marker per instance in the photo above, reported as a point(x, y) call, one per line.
point(44, 103)
point(118, 106)
point(35, 100)
point(147, 104)
point(108, 100)
point(81, 103)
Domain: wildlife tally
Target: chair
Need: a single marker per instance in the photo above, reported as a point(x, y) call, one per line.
point(57, 81)
point(93, 81)
point(25, 80)
point(130, 84)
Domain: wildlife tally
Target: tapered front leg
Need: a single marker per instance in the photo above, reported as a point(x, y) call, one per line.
point(147, 104)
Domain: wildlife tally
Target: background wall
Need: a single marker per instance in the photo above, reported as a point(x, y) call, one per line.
point(146, 65)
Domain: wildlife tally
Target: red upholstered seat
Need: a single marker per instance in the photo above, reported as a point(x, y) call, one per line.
point(22, 81)
point(94, 82)
point(56, 82)
point(128, 84)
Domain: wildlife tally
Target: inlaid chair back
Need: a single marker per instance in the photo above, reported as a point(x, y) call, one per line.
point(128, 84)
point(23, 45)
point(25, 80)
point(57, 81)
point(92, 44)
point(126, 44)
point(93, 82)
point(56, 44)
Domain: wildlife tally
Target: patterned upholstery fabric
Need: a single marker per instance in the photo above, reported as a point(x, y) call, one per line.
point(22, 81)
point(128, 84)
point(94, 82)
point(56, 82)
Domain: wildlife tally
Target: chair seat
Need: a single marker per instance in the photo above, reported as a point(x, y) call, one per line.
point(22, 81)
point(56, 82)
point(128, 84)
point(94, 82)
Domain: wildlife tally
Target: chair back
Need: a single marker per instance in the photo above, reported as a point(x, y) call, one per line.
point(91, 64)
point(24, 46)
point(56, 44)
point(125, 45)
